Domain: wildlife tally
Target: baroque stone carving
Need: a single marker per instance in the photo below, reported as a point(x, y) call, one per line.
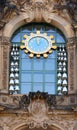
point(38, 102)
point(24, 102)
point(37, 10)
point(1, 128)
point(68, 7)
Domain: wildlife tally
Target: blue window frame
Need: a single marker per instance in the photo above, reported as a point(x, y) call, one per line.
point(36, 74)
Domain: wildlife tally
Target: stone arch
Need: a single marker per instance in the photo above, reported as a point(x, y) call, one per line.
point(26, 126)
point(53, 19)
point(49, 128)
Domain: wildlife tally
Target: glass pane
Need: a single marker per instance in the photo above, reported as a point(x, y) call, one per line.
point(16, 38)
point(37, 87)
point(26, 64)
point(50, 64)
point(23, 55)
point(50, 78)
point(50, 88)
point(60, 38)
point(25, 77)
point(38, 64)
point(38, 78)
point(25, 88)
point(53, 55)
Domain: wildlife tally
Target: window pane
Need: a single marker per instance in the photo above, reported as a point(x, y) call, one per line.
point(53, 55)
point(23, 55)
point(25, 88)
point(38, 64)
point(38, 78)
point(50, 88)
point(50, 77)
point(16, 38)
point(38, 87)
point(50, 64)
point(60, 38)
point(26, 64)
point(25, 77)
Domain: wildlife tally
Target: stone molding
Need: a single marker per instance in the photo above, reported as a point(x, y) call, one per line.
point(71, 50)
point(34, 113)
point(5, 48)
point(37, 11)
point(24, 104)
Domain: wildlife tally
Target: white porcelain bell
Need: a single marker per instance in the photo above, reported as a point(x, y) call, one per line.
point(11, 81)
point(17, 88)
point(11, 88)
point(16, 81)
point(64, 82)
point(11, 75)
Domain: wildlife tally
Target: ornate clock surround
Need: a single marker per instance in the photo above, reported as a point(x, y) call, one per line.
point(42, 48)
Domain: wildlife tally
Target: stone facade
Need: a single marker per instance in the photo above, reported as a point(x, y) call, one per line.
point(38, 110)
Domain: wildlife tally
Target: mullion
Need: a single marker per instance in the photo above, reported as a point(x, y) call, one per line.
point(38, 71)
point(32, 74)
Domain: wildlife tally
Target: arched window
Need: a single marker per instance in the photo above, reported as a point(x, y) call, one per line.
point(38, 74)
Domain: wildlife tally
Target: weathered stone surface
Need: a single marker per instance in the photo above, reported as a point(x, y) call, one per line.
point(19, 112)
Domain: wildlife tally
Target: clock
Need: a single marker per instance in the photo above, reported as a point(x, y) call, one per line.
point(38, 44)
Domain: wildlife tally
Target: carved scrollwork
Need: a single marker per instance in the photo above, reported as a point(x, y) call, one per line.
point(51, 101)
point(37, 9)
point(70, 7)
point(38, 95)
point(24, 102)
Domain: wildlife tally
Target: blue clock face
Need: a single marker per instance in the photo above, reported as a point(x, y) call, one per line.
point(38, 44)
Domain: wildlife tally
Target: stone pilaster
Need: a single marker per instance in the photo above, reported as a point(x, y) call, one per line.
point(4, 64)
point(72, 65)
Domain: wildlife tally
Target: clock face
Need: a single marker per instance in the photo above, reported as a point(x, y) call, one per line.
point(38, 44)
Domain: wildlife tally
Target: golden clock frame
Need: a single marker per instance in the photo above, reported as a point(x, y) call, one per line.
point(26, 48)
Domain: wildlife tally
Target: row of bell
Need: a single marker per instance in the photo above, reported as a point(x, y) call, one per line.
point(62, 82)
point(14, 53)
point(15, 47)
point(62, 58)
point(16, 58)
point(14, 81)
point(14, 63)
point(16, 69)
point(62, 48)
point(62, 63)
point(62, 90)
point(62, 69)
point(62, 54)
point(14, 75)
point(63, 76)
point(14, 88)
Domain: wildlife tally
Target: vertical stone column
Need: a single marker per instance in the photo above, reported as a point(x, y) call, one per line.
point(4, 64)
point(72, 66)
